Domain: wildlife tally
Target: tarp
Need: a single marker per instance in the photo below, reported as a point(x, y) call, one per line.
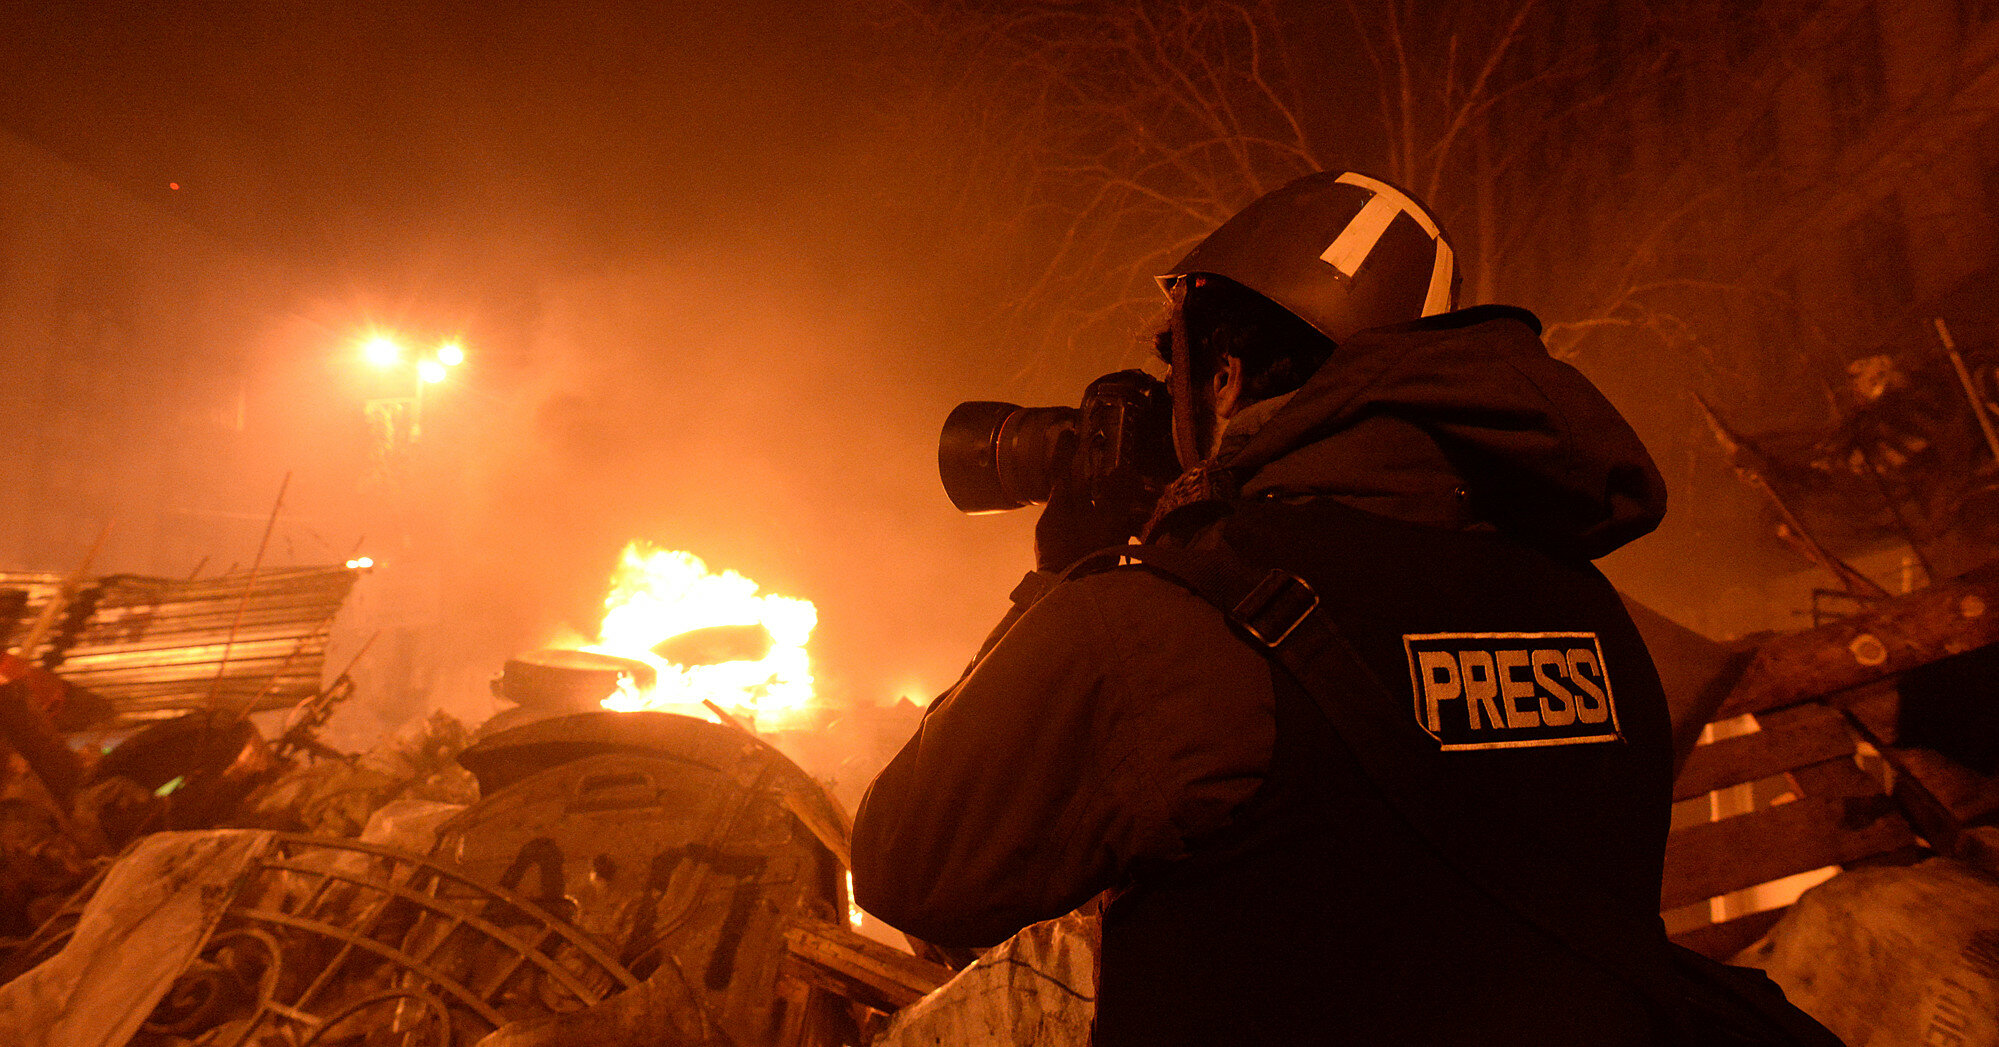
point(144, 925)
point(409, 824)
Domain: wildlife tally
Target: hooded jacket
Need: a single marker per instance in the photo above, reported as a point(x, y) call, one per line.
point(1118, 733)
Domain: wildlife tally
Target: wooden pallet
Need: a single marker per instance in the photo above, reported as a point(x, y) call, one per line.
point(1823, 703)
point(1831, 812)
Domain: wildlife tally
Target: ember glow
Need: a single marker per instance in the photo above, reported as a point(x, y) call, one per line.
point(666, 608)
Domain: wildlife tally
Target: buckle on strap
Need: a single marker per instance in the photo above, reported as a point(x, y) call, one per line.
point(1278, 605)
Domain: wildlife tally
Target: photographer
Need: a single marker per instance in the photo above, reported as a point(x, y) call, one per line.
point(1454, 839)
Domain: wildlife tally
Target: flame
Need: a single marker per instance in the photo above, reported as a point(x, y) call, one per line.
point(657, 594)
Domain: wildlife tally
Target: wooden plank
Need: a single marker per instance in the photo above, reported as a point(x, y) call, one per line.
point(824, 818)
point(1944, 618)
point(1942, 795)
point(1790, 738)
point(860, 968)
point(1838, 779)
point(1875, 709)
point(1706, 861)
point(1720, 941)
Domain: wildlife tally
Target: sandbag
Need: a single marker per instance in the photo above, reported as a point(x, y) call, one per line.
point(1036, 989)
point(1893, 956)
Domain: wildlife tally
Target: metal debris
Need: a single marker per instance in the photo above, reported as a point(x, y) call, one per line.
point(678, 843)
point(153, 646)
point(626, 877)
point(332, 942)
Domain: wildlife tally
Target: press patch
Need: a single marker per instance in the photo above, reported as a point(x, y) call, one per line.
point(1511, 690)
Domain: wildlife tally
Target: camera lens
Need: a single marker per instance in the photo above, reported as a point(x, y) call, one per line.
point(996, 456)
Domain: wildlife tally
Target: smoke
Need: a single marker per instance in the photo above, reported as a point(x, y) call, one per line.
point(692, 264)
point(766, 421)
point(714, 291)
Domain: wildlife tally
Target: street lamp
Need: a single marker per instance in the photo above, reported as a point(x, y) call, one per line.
point(399, 419)
point(382, 351)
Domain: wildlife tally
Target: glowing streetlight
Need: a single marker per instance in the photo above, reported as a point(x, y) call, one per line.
point(399, 419)
point(382, 351)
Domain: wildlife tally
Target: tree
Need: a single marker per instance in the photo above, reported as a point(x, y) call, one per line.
point(1108, 138)
point(1119, 133)
point(1697, 196)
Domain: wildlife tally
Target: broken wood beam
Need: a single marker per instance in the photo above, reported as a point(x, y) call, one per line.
point(1945, 618)
point(862, 969)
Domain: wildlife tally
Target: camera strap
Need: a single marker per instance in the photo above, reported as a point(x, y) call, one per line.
point(1189, 423)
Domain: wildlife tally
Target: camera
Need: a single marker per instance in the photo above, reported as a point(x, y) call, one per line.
point(995, 456)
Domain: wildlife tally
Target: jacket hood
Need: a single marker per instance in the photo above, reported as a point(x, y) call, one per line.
point(1535, 447)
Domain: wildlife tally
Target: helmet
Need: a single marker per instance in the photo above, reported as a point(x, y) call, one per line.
point(1343, 252)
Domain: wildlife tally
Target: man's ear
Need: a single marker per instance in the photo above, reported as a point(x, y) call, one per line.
point(1226, 386)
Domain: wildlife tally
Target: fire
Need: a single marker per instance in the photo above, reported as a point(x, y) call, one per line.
point(666, 608)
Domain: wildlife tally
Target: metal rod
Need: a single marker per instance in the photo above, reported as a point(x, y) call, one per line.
point(222, 668)
point(725, 718)
point(1970, 389)
point(1749, 465)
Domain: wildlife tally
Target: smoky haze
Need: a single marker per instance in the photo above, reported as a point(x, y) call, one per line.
point(702, 294)
point(721, 269)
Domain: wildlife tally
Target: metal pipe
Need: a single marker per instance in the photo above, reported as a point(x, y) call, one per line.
point(1970, 389)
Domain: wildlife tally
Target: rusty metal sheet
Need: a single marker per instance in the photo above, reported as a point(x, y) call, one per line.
point(676, 841)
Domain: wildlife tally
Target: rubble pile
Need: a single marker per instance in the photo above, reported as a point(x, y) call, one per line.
point(566, 875)
point(572, 876)
point(254, 937)
point(338, 797)
point(590, 878)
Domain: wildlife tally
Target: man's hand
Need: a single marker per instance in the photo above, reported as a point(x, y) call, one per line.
point(1070, 527)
